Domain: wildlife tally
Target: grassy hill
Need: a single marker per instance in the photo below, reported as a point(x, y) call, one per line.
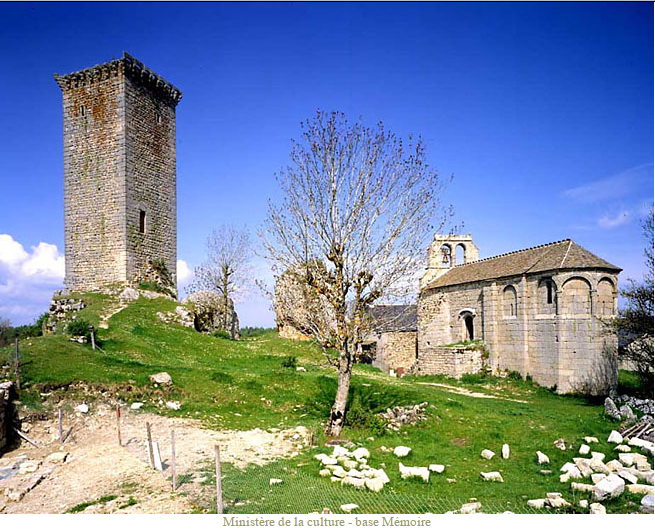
point(245, 384)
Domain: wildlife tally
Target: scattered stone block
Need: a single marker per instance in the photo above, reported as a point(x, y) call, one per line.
point(173, 405)
point(349, 507)
point(641, 443)
point(614, 465)
point(437, 469)
point(537, 504)
point(610, 487)
point(492, 476)
point(623, 448)
point(349, 464)
point(401, 451)
point(340, 451)
point(411, 472)
point(129, 294)
point(542, 458)
point(136, 405)
point(599, 456)
point(470, 508)
point(611, 410)
point(584, 504)
point(325, 473)
point(590, 440)
point(29, 466)
point(639, 488)
point(615, 437)
point(505, 451)
point(647, 503)
point(560, 444)
point(82, 408)
point(487, 454)
point(584, 449)
point(581, 487)
point(627, 476)
point(597, 508)
point(627, 414)
point(57, 458)
point(627, 459)
point(358, 483)
point(274, 481)
point(558, 503)
point(584, 465)
point(163, 379)
point(374, 484)
point(595, 478)
point(361, 453)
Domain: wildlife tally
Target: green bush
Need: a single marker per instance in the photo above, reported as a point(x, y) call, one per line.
point(222, 334)
point(79, 328)
point(290, 362)
point(514, 375)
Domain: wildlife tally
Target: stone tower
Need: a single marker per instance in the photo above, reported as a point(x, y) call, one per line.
point(447, 251)
point(119, 173)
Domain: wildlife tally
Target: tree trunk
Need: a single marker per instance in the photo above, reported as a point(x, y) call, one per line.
point(338, 413)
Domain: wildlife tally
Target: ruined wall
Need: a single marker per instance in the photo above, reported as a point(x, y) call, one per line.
point(119, 160)
point(396, 350)
point(558, 335)
point(451, 361)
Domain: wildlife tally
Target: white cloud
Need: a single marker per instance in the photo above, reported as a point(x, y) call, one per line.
point(612, 187)
point(28, 278)
point(184, 276)
point(622, 217)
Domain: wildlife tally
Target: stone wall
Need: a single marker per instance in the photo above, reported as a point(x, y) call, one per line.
point(551, 327)
point(7, 414)
point(119, 161)
point(395, 350)
point(451, 361)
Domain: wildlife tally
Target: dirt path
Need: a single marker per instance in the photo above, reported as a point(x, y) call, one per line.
point(474, 394)
point(96, 467)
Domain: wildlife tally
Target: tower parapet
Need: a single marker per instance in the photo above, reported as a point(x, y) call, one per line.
point(447, 251)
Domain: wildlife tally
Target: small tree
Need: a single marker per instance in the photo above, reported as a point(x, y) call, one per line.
point(356, 213)
point(635, 320)
point(227, 267)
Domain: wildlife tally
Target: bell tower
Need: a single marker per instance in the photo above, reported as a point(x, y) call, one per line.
point(447, 251)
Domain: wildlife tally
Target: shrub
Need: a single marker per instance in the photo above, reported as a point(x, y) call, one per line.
point(290, 362)
point(79, 328)
point(475, 378)
point(514, 375)
point(222, 334)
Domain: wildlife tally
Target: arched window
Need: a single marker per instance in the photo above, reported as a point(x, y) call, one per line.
point(576, 296)
point(605, 298)
point(509, 302)
point(547, 296)
point(460, 254)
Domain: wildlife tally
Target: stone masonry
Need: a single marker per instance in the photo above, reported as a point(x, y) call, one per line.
point(542, 312)
point(119, 173)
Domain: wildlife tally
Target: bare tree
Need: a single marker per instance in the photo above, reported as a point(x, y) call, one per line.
point(227, 267)
point(358, 206)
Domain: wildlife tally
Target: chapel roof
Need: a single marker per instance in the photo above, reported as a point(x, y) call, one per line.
point(394, 318)
point(554, 256)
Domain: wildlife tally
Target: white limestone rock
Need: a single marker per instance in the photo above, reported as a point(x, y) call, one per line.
point(581, 487)
point(129, 294)
point(487, 454)
point(349, 464)
point(537, 504)
point(639, 488)
point(505, 451)
point(641, 443)
point(173, 405)
point(595, 478)
point(597, 508)
point(82, 408)
point(614, 465)
point(584, 449)
point(349, 507)
point(401, 451)
point(591, 440)
point(358, 483)
point(274, 481)
point(610, 487)
point(374, 484)
point(470, 508)
point(437, 469)
point(626, 459)
point(163, 379)
point(340, 451)
point(615, 437)
point(325, 473)
point(411, 472)
point(599, 456)
point(361, 453)
point(627, 476)
point(542, 458)
point(57, 458)
point(623, 448)
point(584, 504)
point(136, 405)
point(492, 476)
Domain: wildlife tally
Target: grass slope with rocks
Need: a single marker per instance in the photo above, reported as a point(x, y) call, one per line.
point(255, 383)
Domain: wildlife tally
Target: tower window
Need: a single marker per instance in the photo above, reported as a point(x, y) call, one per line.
point(142, 221)
point(549, 286)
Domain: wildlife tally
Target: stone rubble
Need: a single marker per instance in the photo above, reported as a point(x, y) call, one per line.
point(404, 415)
point(487, 454)
point(542, 458)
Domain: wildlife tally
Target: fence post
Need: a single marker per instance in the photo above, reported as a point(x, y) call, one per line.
point(93, 338)
point(219, 490)
point(118, 424)
point(150, 450)
point(173, 460)
point(61, 426)
point(17, 368)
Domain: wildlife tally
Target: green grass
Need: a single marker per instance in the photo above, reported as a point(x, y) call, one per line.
point(243, 384)
point(82, 506)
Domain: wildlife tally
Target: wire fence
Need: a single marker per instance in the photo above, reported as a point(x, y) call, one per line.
point(302, 492)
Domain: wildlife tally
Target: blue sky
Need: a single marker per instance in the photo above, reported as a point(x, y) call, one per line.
point(543, 113)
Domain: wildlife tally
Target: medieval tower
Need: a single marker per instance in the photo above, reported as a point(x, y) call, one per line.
point(119, 173)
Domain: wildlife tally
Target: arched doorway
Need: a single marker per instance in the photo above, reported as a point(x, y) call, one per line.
point(468, 329)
